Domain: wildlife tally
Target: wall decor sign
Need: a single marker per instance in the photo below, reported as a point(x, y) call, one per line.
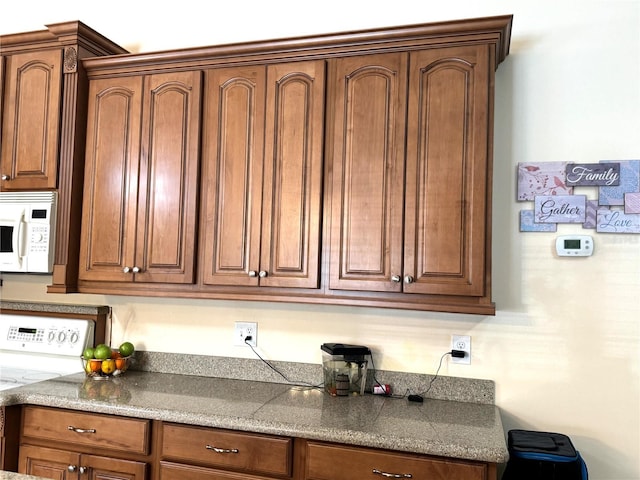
point(629, 183)
point(587, 174)
point(632, 202)
point(560, 208)
point(528, 223)
point(542, 179)
point(591, 215)
point(616, 221)
point(554, 189)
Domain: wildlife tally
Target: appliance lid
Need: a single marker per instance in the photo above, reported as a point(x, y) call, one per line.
point(345, 349)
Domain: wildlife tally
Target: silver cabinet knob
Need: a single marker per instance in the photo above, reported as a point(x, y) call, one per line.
point(83, 469)
point(72, 468)
point(6, 177)
point(408, 279)
point(126, 270)
point(136, 269)
point(395, 278)
point(253, 273)
point(262, 274)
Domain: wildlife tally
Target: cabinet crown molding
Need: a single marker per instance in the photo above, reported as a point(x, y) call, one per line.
point(494, 30)
point(59, 35)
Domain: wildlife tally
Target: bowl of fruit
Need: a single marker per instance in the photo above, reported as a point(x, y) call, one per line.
point(103, 361)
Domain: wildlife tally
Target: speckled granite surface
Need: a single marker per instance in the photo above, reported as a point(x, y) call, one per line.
point(53, 307)
point(443, 388)
point(437, 427)
point(17, 476)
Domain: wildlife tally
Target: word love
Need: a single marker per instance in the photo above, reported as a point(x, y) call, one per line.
point(589, 174)
point(616, 221)
point(560, 208)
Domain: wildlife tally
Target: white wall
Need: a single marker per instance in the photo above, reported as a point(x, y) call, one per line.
point(564, 346)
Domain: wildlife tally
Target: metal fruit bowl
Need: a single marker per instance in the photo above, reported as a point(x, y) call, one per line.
point(111, 367)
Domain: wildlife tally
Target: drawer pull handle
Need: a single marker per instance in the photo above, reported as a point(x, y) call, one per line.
point(221, 450)
point(81, 430)
point(392, 475)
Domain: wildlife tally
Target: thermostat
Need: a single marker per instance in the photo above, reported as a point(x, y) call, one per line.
point(574, 245)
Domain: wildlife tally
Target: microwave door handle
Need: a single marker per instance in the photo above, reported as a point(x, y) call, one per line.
point(22, 237)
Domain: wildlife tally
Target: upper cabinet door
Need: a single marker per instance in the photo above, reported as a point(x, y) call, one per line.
point(30, 132)
point(168, 184)
point(110, 200)
point(292, 193)
point(233, 136)
point(368, 108)
point(141, 179)
point(262, 158)
point(447, 170)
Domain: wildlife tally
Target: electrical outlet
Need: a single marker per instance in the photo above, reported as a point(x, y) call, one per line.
point(243, 330)
point(461, 342)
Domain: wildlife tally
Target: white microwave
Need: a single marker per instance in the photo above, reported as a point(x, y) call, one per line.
point(27, 231)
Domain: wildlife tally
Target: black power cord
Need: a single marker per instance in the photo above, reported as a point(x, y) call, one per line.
point(420, 397)
point(247, 339)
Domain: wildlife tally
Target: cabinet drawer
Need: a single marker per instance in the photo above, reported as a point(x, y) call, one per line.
point(239, 451)
point(340, 462)
point(91, 429)
point(177, 471)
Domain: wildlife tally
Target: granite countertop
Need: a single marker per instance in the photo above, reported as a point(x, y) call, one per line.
point(447, 428)
point(18, 476)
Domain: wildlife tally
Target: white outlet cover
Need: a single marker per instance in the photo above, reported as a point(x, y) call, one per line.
point(244, 329)
point(461, 342)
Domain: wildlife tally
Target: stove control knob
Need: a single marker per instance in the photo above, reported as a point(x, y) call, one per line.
point(73, 339)
point(62, 336)
point(52, 336)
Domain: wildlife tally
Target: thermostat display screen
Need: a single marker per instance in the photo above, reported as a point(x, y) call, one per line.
point(574, 246)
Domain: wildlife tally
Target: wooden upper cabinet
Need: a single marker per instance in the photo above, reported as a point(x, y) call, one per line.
point(353, 168)
point(447, 171)
point(411, 222)
point(233, 135)
point(292, 190)
point(367, 163)
point(168, 184)
point(262, 158)
point(111, 175)
point(141, 180)
point(31, 120)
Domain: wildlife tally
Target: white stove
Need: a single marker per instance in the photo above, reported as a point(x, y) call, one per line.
point(33, 348)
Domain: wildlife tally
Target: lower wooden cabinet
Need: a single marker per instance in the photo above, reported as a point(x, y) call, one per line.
point(90, 429)
point(240, 452)
point(65, 465)
point(9, 435)
point(326, 461)
point(69, 445)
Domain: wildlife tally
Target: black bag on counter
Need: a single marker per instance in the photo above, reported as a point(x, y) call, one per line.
point(543, 456)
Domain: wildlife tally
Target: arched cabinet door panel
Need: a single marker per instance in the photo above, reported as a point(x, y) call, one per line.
point(31, 126)
point(447, 164)
point(367, 163)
